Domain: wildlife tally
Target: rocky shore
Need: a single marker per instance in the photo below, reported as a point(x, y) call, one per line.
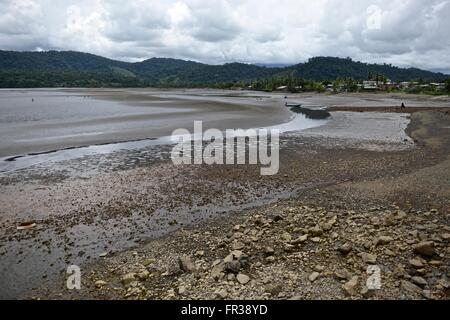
point(366, 212)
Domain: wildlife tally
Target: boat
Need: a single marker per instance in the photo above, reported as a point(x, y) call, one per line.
point(293, 105)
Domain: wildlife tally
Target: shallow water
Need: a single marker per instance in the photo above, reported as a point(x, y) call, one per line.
point(48, 126)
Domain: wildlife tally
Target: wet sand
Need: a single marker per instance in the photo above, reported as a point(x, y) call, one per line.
point(111, 202)
point(35, 121)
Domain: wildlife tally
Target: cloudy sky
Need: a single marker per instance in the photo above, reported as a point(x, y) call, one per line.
point(401, 32)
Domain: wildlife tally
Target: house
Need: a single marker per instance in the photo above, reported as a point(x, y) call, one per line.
point(370, 85)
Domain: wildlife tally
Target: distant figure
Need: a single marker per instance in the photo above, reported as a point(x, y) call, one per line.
point(403, 105)
point(32, 99)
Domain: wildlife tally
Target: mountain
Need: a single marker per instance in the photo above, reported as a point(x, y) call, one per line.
point(77, 69)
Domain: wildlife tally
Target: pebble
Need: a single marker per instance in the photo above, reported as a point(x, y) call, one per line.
point(242, 278)
point(313, 276)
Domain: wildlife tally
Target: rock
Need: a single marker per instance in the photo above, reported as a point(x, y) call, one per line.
point(345, 248)
point(368, 258)
point(416, 263)
point(144, 275)
point(238, 245)
point(319, 268)
point(100, 283)
point(343, 274)
point(218, 271)
point(269, 251)
point(181, 290)
point(313, 276)
point(238, 254)
point(425, 248)
point(410, 287)
point(316, 231)
point(274, 290)
point(200, 253)
point(233, 266)
point(286, 236)
point(103, 255)
point(367, 293)
point(186, 264)
point(300, 239)
point(221, 294)
point(419, 281)
point(128, 279)
point(148, 262)
point(383, 240)
point(446, 236)
point(350, 286)
point(242, 278)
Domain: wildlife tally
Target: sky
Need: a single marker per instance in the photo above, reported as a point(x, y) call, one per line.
point(402, 32)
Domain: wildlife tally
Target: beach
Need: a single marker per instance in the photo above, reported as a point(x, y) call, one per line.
point(108, 198)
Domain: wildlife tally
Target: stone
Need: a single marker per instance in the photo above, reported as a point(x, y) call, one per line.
point(410, 287)
point(128, 279)
point(446, 236)
point(368, 258)
point(238, 245)
point(148, 262)
point(419, 281)
point(286, 236)
point(233, 266)
point(316, 231)
point(273, 290)
point(350, 286)
point(186, 264)
point(103, 254)
point(313, 276)
point(269, 251)
point(218, 271)
point(181, 290)
point(425, 248)
point(144, 275)
point(242, 278)
point(345, 248)
point(343, 274)
point(222, 294)
point(416, 263)
point(300, 239)
point(383, 240)
point(367, 293)
point(100, 283)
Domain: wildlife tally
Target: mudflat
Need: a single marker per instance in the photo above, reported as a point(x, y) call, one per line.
point(364, 188)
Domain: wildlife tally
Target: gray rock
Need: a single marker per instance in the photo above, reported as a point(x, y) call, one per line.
point(313, 276)
point(368, 258)
point(242, 278)
point(419, 281)
point(186, 264)
point(410, 287)
point(351, 286)
point(345, 248)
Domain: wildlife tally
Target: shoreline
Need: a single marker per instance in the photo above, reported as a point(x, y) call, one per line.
point(129, 201)
point(294, 248)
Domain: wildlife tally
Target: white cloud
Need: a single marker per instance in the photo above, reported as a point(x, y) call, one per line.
point(404, 32)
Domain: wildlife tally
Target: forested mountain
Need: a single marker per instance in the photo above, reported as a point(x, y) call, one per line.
point(77, 69)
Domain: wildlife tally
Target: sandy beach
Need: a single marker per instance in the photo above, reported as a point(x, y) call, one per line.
point(351, 181)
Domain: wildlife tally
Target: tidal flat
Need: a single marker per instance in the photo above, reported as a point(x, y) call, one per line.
point(94, 173)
